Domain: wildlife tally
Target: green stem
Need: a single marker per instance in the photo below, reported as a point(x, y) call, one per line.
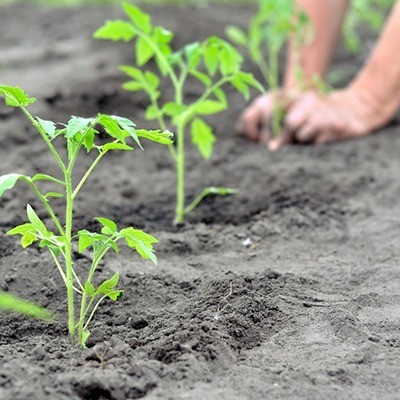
point(274, 86)
point(180, 172)
point(88, 172)
point(45, 138)
point(47, 207)
point(68, 256)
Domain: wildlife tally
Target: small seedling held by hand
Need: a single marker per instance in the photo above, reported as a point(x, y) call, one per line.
point(269, 30)
point(57, 236)
point(214, 63)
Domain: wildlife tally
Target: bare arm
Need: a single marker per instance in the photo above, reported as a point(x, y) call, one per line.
point(326, 19)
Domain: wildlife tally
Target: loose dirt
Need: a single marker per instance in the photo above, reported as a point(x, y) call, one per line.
point(309, 249)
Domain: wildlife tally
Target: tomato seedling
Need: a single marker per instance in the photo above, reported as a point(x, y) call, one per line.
point(269, 30)
point(78, 134)
point(214, 63)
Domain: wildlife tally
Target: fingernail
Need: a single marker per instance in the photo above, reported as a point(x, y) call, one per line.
point(273, 145)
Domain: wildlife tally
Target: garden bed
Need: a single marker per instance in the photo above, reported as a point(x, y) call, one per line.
point(308, 251)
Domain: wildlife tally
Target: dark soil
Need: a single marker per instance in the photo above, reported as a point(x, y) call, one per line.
point(309, 247)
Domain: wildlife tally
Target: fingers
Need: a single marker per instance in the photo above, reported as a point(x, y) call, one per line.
point(255, 120)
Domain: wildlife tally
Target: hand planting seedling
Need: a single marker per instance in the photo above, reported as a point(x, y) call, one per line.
point(214, 63)
point(11, 303)
point(267, 33)
point(78, 134)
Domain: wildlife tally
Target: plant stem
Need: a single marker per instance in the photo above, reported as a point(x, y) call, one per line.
point(68, 256)
point(88, 172)
point(180, 171)
point(274, 86)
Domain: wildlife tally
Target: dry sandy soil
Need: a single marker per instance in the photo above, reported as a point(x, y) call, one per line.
point(315, 305)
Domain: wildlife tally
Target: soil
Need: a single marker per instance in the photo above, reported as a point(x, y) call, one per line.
point(308, 250)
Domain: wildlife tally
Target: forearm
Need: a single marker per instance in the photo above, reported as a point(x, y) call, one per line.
point(379, 81)
point(326, 19)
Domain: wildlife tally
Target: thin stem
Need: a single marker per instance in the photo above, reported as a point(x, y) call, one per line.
point(180, 175)
point(160, 56)
point(88, 172)
point(93, 312)
point(45, 138)
point(47, 206)
point(68, 256)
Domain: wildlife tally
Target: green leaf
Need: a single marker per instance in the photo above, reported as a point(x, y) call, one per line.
point(9, 181)
point(203, 78)
point(116, 30)
point(138, 17)
point(152, 113)
point(85, 240)
point(153, 80)
point(173, 109)
point(141, 242)
point(156, 136)
point(112, 127)
point(36, 221)
point(116, 146)
point(108, 285)
point(211, 59)
point(53, 195)
point(89, 289)
point(12, 303)
point(249, 79)
point(236, 35)
point(27, 232)
point(77, 124)
point(133, 72)
point(15, 96)
point(115, 295)
point(44, 177)
point(209, 107)
point(128, 126)
point(132, 86)
point(48, 126)
point(203, 138)
point(144, 52)
point(109, 227)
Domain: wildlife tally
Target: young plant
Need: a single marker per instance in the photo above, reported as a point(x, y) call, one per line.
point(369, 12)
point(269, 30)
point(60, 239)
point(11, 303)
point(214, 63)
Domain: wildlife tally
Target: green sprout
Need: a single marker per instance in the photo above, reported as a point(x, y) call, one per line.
point(266, 35)
point(78, 134)
point(370, 12)
point(11, 303)
point(214, 63)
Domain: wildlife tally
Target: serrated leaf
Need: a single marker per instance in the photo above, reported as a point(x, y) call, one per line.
point(116, 30)
point(9, 181)
point(12, 303)
point(156, 136)
point(141, 19)
point(203, 138)
point(129, 127)
point(48, 126)
point(112, 127)
point(15, 96)
point(108, 285)
point(76, 125)
point(144, 52)
point(141, 242)
point(109, 227)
